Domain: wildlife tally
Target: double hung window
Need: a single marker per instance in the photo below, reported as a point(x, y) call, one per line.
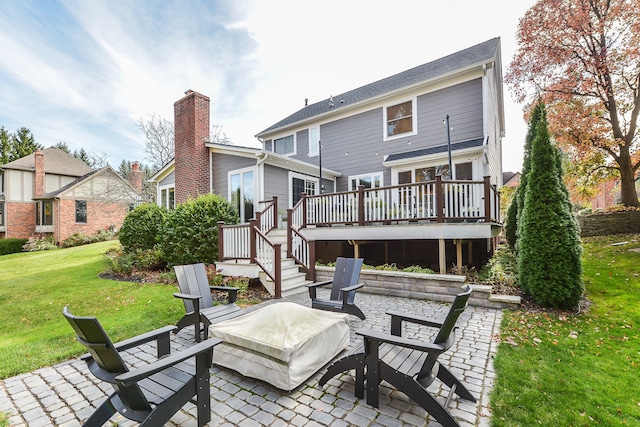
point(399, 119)
point(81, 211)
point(285, 145)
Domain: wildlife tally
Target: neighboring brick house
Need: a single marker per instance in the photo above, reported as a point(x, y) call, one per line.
point(50, 192)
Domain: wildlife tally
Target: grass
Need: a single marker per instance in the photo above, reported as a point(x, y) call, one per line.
point(35, 286)
point(567, 369)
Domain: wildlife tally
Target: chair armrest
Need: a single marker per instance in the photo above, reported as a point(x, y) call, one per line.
point(401, 341)
point(131, 377)
point(318, 284)
point(398, 317)
point(164, 332)
point(162, 336)
point(187, 296)
point(231, 291)
point(352, 287)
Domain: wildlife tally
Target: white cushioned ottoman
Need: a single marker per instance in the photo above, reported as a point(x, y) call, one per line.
point(282, 344)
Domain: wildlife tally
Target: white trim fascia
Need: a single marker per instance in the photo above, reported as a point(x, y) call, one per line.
point(163, 172)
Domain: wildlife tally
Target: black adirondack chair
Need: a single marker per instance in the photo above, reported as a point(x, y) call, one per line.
point(343, 288)
point(408, 364)
point(149, 394)
point(195, 293)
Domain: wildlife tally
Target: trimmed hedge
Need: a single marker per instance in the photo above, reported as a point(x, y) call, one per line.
point(11, 246)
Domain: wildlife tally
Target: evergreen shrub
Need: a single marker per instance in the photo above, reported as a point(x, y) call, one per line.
point(190, 231)
point(142, 227)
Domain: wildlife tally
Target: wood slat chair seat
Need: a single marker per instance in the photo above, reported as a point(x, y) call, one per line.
point(195, 293)
point(343, 288)
point(152, 393)
point(408, 364)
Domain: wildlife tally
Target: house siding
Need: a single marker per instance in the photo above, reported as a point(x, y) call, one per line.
point(221, 165)
point(355, 145)
point(276, 183)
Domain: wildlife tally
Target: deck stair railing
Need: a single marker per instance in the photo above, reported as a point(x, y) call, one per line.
point(250, 241)
point(299, 248)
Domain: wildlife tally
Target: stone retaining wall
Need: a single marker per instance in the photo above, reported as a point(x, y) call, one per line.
point(610, 223)
point(433, 287)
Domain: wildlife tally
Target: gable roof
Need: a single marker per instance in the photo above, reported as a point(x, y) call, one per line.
point(84, 178)
point(464, 59)
point(56, 162)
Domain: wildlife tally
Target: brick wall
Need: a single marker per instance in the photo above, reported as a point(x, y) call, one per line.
point(20, 220)
point(191, 120)
point(100, 215)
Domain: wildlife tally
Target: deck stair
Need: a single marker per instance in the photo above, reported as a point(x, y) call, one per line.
point(293, 280)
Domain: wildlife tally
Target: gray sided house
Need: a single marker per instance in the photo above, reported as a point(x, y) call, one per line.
point(403, 170)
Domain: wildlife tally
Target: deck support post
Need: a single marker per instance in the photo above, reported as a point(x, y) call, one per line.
point(443, 257)
point(458, 243)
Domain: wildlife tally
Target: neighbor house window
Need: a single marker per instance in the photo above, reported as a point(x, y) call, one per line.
point(285, 145)
point(399, 119)
point(1, 214)
point(44, 212)
point(81, 211)
point(373, 180)
point(314, 141)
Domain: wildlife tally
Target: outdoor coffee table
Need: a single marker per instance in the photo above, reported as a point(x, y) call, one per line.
point(282, 344)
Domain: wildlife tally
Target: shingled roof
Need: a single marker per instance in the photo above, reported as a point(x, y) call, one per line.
point(56, 162)
point(472, 56)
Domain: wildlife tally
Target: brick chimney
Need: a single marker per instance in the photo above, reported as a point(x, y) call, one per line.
point(136, 176)
point(39, 168)
point(191, 121)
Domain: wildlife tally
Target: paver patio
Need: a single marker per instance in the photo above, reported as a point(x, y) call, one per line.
point(65, 394)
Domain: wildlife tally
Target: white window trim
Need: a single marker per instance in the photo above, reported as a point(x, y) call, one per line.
point(303, 177)
point(295, 144)
point(414, 119)
point(255, 181)
point(366, 175)
point(159, 191)
point(317, 151)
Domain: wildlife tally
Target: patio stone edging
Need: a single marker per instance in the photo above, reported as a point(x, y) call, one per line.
point(433, 287)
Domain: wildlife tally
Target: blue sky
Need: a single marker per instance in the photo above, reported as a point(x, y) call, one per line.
point(86, 71)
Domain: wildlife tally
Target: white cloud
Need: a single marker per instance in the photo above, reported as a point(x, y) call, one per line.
point(85, 72)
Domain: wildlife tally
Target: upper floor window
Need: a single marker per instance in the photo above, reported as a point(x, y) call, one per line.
point(285, 145)
point(81, 211)
point(399, 119)
point(314, 141)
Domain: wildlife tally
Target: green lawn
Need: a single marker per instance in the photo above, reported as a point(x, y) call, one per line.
point(559, 369)
point(553, 369)
point(35, 286)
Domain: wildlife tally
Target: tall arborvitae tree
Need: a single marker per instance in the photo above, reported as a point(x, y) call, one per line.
point(517, 203)
point(549, 248)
